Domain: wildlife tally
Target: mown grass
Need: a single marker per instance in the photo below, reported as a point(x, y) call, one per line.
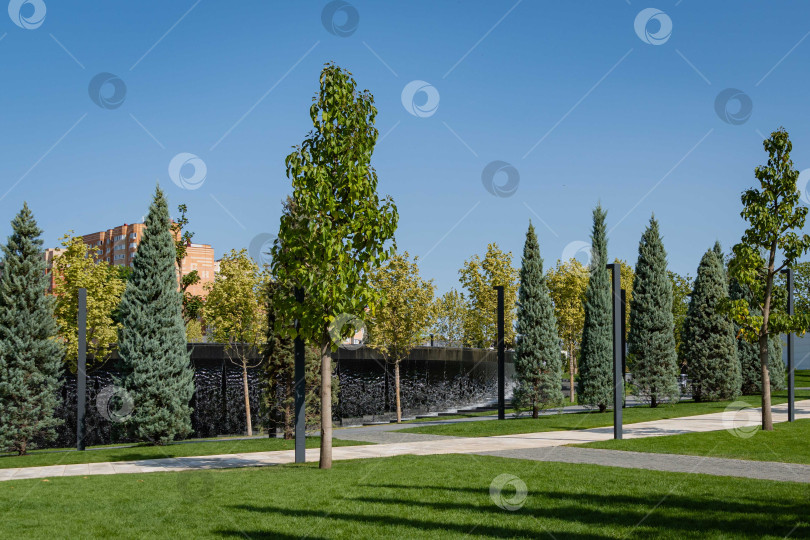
point(137, 452)
point(405, 497)
point(585, 420)
point(786, 443)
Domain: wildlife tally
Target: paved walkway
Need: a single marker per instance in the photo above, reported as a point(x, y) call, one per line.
point(761, 470)
point(452, 445)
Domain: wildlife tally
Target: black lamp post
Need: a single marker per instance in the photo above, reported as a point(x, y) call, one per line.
point(501, 357)
point(618, 376)
point(790, 349)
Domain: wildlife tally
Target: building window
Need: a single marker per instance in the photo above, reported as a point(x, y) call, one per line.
point(133, 235)
point(133, 245)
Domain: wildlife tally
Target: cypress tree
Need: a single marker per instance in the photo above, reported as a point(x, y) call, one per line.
point(596, 354)
point(651, 342)
point(155, 363)
point(748, 353)
point(709, 346)
point(30, 357)
point(538, 360)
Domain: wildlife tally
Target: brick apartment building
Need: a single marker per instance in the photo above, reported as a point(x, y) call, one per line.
point(118, 246)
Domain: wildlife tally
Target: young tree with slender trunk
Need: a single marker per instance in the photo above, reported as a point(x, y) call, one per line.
point(80, 267)
point(400, 322)
point(155, 365)
point(234, 309)
point(651, 342)
point(596, 359)
point(479, 276)
point(192, 303)
point(775, 220)
point(538, 359)
point(567, 283)
point(339, 231)
point(451, 311)
point(30, 355)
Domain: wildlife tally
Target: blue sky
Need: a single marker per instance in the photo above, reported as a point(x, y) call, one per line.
point(583, 107)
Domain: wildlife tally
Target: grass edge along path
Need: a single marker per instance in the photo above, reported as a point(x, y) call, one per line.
point(179, 449)
point(587, 420)
point(450, 496)
point(787, 443)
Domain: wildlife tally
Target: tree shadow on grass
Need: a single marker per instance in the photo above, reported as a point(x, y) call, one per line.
point(746, 517)
point(395, 520)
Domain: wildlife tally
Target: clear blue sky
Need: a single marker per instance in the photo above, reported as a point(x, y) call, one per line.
point(620, 120)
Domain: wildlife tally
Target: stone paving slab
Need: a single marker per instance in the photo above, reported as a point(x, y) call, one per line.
point(761, 470)
point(451, 445)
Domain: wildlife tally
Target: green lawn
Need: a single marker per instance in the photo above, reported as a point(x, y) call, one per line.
point(131, 453)
point(802, 378)
point(786, 443)
point(566, 421)
point(404, 497)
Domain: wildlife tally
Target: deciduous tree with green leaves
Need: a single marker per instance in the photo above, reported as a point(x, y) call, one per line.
point(192, 303)
point(567, 283)
point(340, 230)
point(401, 320)
point(775, 220)
point(538, 362)
point(596, 359)
point(681, 289)
point(155, 366)
point(480, 276)
point(450, 313)
point(79, 266)
point(30, 355)
point(234, 309)
point(651, 342)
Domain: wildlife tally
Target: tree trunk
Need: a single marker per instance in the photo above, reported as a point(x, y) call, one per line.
point(396, 392)
point(326, 407)
point(767, 418)
point(535, 411)
point(571, 374)
point(247, 400)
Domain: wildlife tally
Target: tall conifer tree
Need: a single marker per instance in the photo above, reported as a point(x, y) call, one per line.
point(709, 346)
point(538, 360)
point(651, 341)
point(155, 362)
point(596, 362)
point(30, 357)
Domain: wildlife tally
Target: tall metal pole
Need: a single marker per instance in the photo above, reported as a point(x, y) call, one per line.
point(624, 342)
point(618, 377)
point(81, 371)
point(501, 357)
point(790, 350)
point(300, 389)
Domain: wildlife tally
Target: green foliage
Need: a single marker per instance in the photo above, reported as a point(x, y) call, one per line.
point(450, 313)
point(538, 363)
point(479, 277)
point(192, 303)
point(80, 266)
point(681, 289)
point(278, 373)
point(651, 342)
point(30, 355)
point(709, 347)
point(567, 283)
point(235, 304)
point(155, 364)
point(596, 358)
point(400, 323)
point(334, 230)
point(748, 353)
point(774, 215)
